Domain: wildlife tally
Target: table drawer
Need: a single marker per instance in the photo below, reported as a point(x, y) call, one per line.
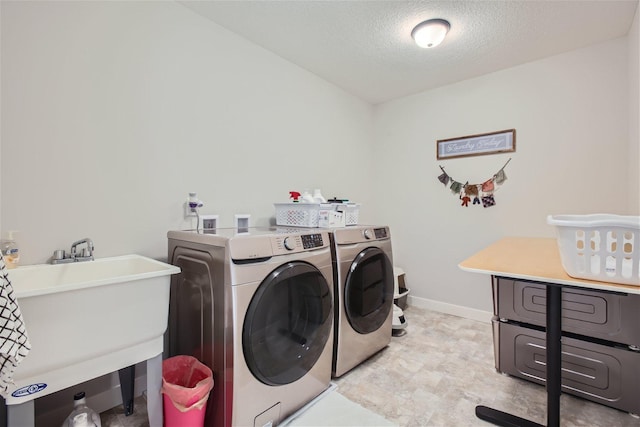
point(604, 374)
point(608, 316)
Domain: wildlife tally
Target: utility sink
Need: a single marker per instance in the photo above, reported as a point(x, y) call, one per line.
point(87, 319)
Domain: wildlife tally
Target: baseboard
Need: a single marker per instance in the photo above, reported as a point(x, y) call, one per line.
point(455, 310)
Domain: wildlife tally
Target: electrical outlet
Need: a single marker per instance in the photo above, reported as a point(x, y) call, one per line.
point(188, 213)
point(192, 200)
point(208, 222)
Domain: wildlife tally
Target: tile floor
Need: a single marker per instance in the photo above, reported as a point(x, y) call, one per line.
point(435, 375)
point(443, 367)
point(115, 417)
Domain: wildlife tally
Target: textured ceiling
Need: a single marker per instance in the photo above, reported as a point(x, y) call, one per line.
point(365, 47)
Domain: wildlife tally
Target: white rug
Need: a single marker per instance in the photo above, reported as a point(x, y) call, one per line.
point(333, 409)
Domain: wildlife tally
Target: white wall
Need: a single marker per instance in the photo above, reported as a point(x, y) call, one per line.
point(114, 111)
point(570, 113)
point(634, 113)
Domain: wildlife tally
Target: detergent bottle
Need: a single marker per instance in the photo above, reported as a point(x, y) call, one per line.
point(307, 197)
point(318, 197)
point(82, 415)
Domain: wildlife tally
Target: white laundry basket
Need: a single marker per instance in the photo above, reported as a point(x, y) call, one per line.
point(601, 247)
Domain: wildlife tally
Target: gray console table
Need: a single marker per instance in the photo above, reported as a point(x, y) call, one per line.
point(536, 260)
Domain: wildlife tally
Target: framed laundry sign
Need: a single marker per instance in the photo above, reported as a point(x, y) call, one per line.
point(503, 141)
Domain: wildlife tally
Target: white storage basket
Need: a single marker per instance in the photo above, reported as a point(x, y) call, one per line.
point(599, 247)
point(298, 214)
point(351, 212)
point(308, 214)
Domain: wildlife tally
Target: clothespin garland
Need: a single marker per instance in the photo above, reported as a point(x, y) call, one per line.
point(475, 193)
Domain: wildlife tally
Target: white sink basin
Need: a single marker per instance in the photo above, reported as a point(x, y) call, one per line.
point(87, 319)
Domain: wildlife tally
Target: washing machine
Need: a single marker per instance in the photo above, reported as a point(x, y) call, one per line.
point(364, 286)
point(256, 307)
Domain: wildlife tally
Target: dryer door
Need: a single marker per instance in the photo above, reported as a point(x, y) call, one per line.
point(368, 290)
point(287, 324)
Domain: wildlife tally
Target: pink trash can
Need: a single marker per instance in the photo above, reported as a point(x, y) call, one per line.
point(186, 383)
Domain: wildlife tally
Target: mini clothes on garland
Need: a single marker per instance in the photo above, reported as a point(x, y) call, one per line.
point(475, 194)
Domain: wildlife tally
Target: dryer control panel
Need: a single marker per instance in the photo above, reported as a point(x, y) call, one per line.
point(380, 233)
point(360, 234)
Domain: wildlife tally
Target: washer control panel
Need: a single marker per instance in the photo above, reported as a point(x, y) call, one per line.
point(299, 242)
point(289, 243)
point(264, 244)
point(310, 241)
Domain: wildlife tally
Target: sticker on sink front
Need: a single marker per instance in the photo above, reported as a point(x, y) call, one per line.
point(29, 389)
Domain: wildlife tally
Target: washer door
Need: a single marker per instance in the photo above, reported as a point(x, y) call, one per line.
point(368, 290)
point(287, 324)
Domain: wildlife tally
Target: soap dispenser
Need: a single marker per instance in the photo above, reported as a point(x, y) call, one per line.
point(10, 251)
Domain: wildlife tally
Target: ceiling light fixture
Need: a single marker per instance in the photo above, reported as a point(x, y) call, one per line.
point(430, 33)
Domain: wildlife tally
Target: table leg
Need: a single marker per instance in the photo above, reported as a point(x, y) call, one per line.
point(554, 354)
point(553, 366)
point(502, 419)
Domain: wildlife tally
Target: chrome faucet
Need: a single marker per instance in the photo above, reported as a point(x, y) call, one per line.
point(85, 254)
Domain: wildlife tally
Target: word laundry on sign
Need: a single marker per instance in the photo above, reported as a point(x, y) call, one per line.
point(475, 194)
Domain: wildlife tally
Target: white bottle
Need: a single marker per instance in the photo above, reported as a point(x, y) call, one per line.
point(318, 197)
point(10, 251)
point(82, 415)
point(307, 197)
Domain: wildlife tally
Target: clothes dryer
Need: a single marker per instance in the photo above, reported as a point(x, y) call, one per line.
point(257, 308)
point(364, 285)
